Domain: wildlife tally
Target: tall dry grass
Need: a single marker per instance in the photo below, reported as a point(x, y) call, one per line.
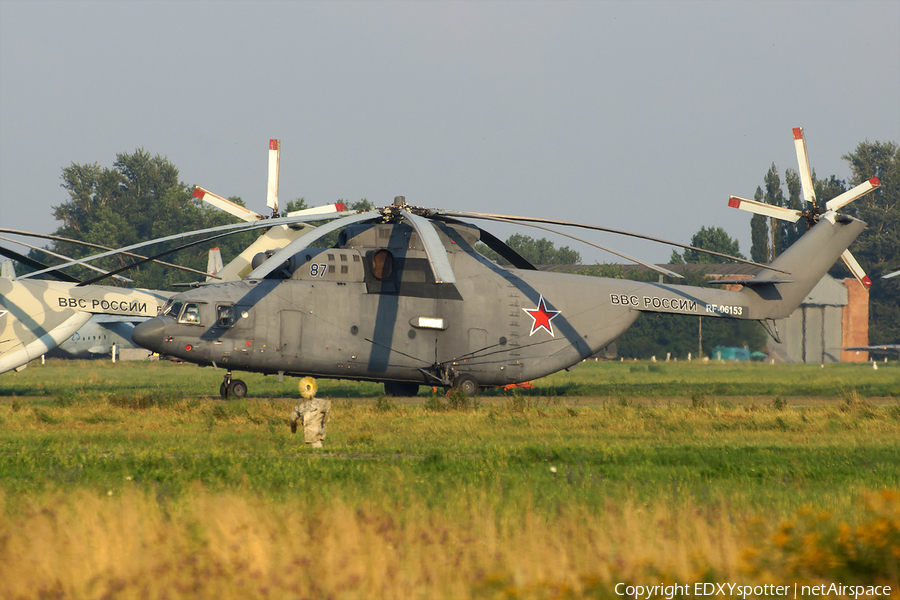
point(240, 545)
point(236, 545)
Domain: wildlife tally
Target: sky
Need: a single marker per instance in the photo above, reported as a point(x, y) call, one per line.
point(643, 116)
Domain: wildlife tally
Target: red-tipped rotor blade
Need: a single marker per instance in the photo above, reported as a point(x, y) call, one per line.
point(761, 208)
point(809, 193)
point(320, 210)
point(856, 269)
point(274, 161)
point(855, 194)
point(228, 206)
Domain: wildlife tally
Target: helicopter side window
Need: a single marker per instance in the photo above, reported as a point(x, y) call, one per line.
point(191, 314)
point(382, 265)
point(225, 315)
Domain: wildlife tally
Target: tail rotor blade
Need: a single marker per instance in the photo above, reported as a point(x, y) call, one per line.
point(855, 194)
point(856, 269)
point(274, 161)
point(761, 208)
point(809, 193)
point(228, 206)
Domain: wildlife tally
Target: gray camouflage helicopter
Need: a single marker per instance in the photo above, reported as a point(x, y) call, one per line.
point(403, 298)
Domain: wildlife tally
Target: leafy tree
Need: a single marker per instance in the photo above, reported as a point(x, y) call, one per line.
point(139, 198)
point(537, 252)
point(712, 238)
point(878, 248)
point(295, 205)
point(759, 234)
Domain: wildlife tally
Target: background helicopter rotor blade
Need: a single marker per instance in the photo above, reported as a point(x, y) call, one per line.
point(809, 194)
point(204, 241)
point(434, 248)
point(767, 210)
point(489, 216)
point(854, 194)
point(98, 246)
point(235, 228)
point(325, 209)
point(34, 264)
point(856, 269)
point(241, 212)
point(62, 256)
point(303, 242)
point(274, 165)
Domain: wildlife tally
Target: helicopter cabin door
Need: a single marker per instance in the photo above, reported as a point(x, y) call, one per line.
point(289, 333)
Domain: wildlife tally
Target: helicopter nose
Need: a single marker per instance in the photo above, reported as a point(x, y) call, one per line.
point(149, 334)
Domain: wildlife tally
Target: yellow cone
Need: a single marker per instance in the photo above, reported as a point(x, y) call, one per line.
point(308, 387)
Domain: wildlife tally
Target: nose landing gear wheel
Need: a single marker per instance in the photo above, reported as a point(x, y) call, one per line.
point(232, 387)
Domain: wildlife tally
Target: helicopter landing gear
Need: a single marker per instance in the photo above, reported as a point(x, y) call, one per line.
point(466, 384)
point(401, 389)
point(232, 387)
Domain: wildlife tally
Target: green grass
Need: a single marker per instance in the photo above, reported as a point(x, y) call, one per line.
point(609, 449)
point(80, 379)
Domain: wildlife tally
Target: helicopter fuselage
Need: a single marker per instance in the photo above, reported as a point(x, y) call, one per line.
point(370, 309)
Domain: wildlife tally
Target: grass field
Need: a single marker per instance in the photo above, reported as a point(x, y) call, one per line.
point(136, 481)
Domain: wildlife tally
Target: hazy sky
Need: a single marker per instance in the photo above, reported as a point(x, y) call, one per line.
point(642, 116)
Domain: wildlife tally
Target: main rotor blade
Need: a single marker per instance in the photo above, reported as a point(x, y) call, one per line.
point(274, 163)
point(303, 242)
point(473, 215)
point(241, 212)
point(809, 193)
point(434, 248)
point(501, 248)
point(761, 208)
point(98, 246)
point(853, 194)
point(889, 275)
point(63, 257)
point(236, 228)
point(856, 269)
point(625, 256)
point(34, 264)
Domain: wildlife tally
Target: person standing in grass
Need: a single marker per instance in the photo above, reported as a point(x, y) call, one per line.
point(312, 413)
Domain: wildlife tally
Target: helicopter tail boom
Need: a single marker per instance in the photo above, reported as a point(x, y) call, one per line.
point(770, 294)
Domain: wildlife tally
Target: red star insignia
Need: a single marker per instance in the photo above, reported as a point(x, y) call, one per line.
point(542, 317)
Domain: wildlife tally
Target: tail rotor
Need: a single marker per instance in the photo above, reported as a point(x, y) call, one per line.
point(813, 212)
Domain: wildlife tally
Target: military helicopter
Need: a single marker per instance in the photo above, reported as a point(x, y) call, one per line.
point(404, 298)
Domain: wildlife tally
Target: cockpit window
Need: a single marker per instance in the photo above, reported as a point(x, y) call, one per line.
point(190, 314)
point(225, 315)
point(172, 308)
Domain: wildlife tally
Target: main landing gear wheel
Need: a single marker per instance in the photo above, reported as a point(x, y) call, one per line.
point(400, 389)
point(232, 387)
point(466, 384)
